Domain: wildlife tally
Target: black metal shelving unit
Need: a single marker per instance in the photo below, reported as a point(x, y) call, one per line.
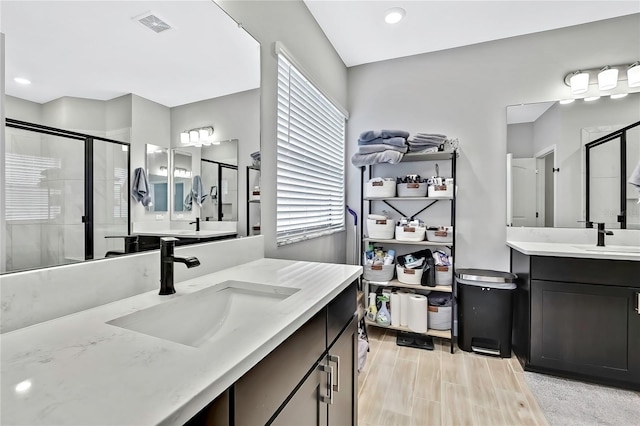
point(250, 202)
point(436, 156)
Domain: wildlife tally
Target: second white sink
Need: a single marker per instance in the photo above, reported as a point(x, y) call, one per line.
point(204, 315)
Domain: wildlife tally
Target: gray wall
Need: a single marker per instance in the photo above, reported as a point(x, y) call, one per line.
point(291, 23)
point(434, 92)
point(520, 140)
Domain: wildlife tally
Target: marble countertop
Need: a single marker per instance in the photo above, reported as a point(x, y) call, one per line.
point(78, 369)
point(590, 251)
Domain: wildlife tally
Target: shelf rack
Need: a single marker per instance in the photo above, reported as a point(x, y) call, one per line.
point(250, 202)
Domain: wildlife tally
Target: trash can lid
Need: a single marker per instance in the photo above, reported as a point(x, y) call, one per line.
point(485, 275)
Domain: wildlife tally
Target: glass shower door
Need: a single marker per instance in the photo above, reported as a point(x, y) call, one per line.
point(229, 193)
point(44, 207)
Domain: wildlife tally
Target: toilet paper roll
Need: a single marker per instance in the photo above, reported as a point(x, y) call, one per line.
point(404, 306)
point(395, 309)
point(418, 313)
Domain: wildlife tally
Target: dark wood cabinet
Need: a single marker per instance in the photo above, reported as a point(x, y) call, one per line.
point(307, 406)
point(343, 358)
point(578, 318)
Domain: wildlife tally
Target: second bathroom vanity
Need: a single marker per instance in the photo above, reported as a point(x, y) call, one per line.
point(576, 311)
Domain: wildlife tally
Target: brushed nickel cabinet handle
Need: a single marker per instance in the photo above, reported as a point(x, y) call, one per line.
point(336, 359)
point(328, 399)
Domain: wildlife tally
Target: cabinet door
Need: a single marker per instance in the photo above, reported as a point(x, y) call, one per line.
point(343, 357)
point(588, 330)
point(307, 406)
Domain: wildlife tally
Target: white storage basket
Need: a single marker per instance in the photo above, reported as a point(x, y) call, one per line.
point(409, 276)
point(440, 191)
point(381, 229)
point(444, 234)
point(410, 233)
point(439, 317)
point(378, 273)
point(444, 275)
point(380, 189)
point(412, 189)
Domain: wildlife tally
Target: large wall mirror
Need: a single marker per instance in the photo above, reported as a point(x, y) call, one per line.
point(550, 183)
point(141, 84)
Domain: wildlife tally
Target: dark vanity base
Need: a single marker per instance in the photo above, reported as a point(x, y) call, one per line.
point(578, 318)
point(152, 242)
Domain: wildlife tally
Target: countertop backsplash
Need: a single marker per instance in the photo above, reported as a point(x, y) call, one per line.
point(31, 297)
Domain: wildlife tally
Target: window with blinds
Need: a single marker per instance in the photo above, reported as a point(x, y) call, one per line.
point(310, 166)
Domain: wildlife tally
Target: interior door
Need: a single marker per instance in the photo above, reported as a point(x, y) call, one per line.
point(523, 192)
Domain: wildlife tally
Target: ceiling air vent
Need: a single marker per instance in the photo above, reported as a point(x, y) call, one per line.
point(152, 22)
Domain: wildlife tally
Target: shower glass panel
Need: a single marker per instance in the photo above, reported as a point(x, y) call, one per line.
point(604, 183)
point(110, 196)
point(44, 185)
point(229, 193)
point(209, 210)
point(633, 195)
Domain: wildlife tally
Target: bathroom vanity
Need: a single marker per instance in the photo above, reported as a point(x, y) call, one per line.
point(266, 340)
point(576, 311)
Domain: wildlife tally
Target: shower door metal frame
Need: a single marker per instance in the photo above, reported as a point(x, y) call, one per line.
point(220, 167)
point(87, 218)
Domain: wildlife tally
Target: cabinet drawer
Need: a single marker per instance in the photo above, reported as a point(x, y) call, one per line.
point(623, 273)
point(260, 392)
point(340, 311)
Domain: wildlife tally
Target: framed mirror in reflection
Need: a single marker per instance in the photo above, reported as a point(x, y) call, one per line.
point(219, 166)
point(158, 173)
point(105, 89)
point(547, 170)
point(181, 176)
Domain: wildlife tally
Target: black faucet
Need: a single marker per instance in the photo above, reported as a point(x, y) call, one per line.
point(601, 233)
point(197, 222)
point(167, 259)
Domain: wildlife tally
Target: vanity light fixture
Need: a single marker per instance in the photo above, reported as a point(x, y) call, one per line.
point(633, 74)
point(579, 82)
point(22, 80)
point(608, 78)
point(394, 15)
point(566, 101)
point(184, 137)
point(198, 136)
point(591, 98)
point(194, 136)
point(618, 96)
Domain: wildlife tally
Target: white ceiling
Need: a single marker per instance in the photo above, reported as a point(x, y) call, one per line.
point(359, 34)
point(527, 113)
point(95, 50)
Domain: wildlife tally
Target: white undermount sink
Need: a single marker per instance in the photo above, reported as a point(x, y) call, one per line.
point(205, 315)
point(610, 249)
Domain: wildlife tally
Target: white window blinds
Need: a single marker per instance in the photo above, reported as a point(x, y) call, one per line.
point(310, 182)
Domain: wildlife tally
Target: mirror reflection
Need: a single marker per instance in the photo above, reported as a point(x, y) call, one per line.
point(181, 178)
point(546, 162)
point(102, 86)
point(158, 173)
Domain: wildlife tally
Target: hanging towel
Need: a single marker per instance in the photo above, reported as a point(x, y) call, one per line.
point(388, 156)
point(197, 190)
point(635, 177)
point(140, 187)
point(188, 202)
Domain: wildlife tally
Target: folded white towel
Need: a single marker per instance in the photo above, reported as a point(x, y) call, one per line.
point(388, 156)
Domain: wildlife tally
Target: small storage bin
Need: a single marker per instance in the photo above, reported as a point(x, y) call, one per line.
point(409, 276)
point(442, 191)
point(410, 233)
point(443, 234)
point(378, 273)
point(444, 275)
point(380, 189)
point(382, 229)
point(439, 316)
point(412, 189)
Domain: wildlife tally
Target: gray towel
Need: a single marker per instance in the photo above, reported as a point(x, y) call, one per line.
point(370, 135)
point(140, 187)
point(387, 156)
point(397, 141)
point(635, 177)
point(379, 147)
point(197, 190)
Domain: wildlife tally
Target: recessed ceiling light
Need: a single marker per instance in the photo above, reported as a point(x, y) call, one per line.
point(21, 80)
point(619, 95)
point(566, 101)
point(394, 15)
point(591, 98)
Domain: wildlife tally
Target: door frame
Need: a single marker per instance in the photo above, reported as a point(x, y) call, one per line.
point(551, 149)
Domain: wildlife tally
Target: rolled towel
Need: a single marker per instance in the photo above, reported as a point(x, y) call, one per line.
point(394, 133)
point(370, 135)
point(388, 156)
point(379, 147)
point(397, 141)
point(635, 177)
point(140, 187)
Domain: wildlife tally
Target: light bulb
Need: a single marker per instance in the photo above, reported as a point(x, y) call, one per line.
point(184, 137)
point(591, 98)
point(633, 75)
point(566, 101)
point(193, 136)
point(608, 78)
point(394, 15)
point(619, 95)
point(579, 82)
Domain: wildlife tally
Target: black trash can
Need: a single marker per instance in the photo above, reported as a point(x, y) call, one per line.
point(485, 311)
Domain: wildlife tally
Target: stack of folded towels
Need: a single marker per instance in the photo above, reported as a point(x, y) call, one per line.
point(426, 142)
point(380, 146)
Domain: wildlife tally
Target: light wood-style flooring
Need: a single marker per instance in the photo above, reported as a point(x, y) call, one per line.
point(407, 386)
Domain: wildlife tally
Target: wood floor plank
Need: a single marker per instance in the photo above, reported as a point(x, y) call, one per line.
point(429, 379)
point(389, 418)
point(534, 406)
point(456, 408)
point(453, 368)
point(372, 397)
point(425, 413)
point(401, 389)
point(515, 408)
point(502, 374)
point(480, 381)
point(486, 416)
point(386, 354)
